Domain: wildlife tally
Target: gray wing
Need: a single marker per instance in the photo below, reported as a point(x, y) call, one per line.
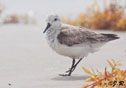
point(73, 36)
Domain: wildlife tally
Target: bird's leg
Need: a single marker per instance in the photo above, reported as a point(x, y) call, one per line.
point(76, 64)
point(73, 63)
point(70, 70)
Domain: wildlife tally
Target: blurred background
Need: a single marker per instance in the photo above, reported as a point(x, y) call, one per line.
point(26, 60)
point(95, 14)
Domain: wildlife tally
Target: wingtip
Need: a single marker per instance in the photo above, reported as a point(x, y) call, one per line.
point(111, 36)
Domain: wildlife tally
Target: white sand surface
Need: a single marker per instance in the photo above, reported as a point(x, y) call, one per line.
point(26, 61)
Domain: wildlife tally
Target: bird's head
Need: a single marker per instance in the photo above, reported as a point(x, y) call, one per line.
point(52, 21)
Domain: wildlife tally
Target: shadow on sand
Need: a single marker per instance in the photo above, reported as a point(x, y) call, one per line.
point(70, 78)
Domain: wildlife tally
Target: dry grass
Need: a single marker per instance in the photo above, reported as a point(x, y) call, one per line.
point(16, 18)
point(113, 17)
point(27, 18)
point(113, 79)
point(2, 7)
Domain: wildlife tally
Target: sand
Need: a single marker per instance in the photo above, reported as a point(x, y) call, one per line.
point(26, 60)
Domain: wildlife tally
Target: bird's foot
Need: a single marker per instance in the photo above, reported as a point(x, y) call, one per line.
point(64, 74)
point(71, 69)
point(68, 70)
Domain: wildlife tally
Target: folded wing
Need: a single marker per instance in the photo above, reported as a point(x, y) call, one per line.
point(73, 36)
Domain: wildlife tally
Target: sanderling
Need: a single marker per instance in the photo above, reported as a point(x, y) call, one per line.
point(72, 41)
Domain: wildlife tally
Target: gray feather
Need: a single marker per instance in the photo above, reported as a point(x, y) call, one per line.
point(72, 36)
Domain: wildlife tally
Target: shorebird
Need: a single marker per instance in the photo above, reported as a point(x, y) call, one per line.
point(73, 41)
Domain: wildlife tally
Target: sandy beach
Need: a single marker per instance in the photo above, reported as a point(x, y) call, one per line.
point(26, 60)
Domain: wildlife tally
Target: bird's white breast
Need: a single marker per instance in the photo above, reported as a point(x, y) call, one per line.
point(70, 51)
point(75, 51)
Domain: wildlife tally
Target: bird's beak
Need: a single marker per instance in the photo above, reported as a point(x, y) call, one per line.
point(48, 25)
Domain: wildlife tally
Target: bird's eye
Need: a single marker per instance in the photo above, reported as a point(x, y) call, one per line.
point(55, 19)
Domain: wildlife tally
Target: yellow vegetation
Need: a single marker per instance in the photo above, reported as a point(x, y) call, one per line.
point(26, 18)
point(114, 79)
point(112, 17)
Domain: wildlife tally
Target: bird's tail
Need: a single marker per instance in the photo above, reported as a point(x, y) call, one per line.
point(111, 36)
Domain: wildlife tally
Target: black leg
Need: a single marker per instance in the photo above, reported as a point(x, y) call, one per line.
point(70, 70)
point(74, 65)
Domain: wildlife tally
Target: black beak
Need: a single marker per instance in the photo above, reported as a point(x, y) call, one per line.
point(48, 25)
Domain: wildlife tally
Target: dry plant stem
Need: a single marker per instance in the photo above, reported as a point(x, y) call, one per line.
point(107, 79)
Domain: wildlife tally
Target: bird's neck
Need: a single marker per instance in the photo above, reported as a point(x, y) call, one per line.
point(52, 33)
